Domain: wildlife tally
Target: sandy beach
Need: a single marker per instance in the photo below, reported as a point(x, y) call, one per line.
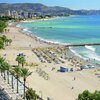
point(55, 85)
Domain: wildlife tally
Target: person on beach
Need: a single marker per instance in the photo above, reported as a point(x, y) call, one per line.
point(30, 45)
point(53, 68)
point(74, 78)
point(72, 87)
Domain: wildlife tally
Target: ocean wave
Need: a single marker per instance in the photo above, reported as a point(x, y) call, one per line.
point(26, 30)
point(86, 55)
point(75, 52)
point(18, 25)
point(93, 56)
point(50, 41)
point(90, 48)
point(41, 27)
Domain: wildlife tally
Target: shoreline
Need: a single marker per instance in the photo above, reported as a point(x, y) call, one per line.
point(51, 43)
point(59, 86)
point(29, 33)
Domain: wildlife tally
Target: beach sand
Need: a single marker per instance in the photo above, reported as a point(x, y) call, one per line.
point(59, 86)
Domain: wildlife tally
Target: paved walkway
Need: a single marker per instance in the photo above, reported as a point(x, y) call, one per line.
point(6, 92)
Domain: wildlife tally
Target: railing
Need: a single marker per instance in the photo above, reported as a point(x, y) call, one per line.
point(5, 96)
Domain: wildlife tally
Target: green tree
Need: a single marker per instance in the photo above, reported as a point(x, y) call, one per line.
point(25, 73)
point(86, 95)
point(4, 41)
point(17, 71)
point(4, 38)
point(18, 60)
point(12, 79)
point(10, 41)
point(8, 67)
point(1, 61)
point(1, 44)
point(21, 60)
point(6, 18)
point(3, 25)
point(31, 94)
point(4, 66)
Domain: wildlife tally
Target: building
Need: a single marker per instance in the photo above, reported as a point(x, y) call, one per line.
point(14, 14)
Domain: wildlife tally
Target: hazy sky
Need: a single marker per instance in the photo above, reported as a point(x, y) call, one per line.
point(73, 4)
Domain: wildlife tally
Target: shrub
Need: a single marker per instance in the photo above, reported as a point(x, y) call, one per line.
point(86, 95)
point(31, 94)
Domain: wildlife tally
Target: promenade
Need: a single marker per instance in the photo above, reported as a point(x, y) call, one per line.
point(6, 92)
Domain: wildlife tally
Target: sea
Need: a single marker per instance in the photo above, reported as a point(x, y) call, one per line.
point(69, 30)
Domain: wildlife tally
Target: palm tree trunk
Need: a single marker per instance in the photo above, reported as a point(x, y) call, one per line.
point(17, 84)
point(8, 76)
point(4, 76)
point(24, 86)
point(22, 64)
point(12, 82)
point(1, 72)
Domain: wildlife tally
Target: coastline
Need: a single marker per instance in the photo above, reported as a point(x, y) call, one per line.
point(52, 44)
point(29, 33)
point(58, 83)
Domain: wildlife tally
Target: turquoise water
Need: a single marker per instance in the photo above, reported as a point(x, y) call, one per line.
point(73, 30)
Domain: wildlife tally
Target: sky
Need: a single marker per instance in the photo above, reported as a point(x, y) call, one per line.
point(72, 4)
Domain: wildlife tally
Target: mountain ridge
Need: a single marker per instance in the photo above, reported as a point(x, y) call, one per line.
point(45, 10)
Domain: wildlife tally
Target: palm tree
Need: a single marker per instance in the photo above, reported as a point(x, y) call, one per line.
point(21, 60)
point(1, 61)
point(4, 38)
point(10, 41)
point(1, 44)
point(8, 67)
point(25, 73)
point(18, 60)
point(6, 42)
point(17, 71)
point(12, 73)
point(4, 68)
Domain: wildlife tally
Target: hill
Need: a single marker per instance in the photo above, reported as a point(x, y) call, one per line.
point(45, 10)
